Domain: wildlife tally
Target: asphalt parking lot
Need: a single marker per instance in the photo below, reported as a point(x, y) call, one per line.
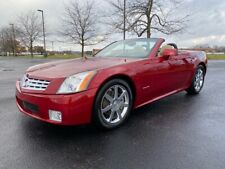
point(178, 132)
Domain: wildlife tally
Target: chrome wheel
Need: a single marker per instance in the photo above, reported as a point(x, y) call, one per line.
point(115, 104)
point(199, 80)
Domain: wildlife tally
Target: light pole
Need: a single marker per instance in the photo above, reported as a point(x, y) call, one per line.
point(43, 24)
point(124, 20)
point(14, 40)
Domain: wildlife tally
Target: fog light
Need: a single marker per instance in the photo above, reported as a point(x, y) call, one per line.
point(55, 115)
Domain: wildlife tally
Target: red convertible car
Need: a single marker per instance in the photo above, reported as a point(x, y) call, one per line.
point(105, 88)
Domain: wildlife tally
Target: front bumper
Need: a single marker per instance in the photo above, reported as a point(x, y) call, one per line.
point(75, 108)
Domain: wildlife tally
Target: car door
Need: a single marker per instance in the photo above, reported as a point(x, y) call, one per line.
point(181, 70)
point(155, 78)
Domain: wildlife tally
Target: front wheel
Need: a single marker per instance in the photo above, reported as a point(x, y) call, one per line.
point(113, 104)
point(198, 81)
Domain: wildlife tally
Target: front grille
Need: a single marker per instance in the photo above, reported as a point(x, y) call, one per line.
point(34, 84)
point(31, 107)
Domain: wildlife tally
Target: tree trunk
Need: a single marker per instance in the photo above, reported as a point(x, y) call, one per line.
point(31, 49)
point(149, 21)
point(82, 50)
point(148, 33)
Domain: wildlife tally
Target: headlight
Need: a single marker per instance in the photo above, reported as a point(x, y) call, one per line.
point(23, 80)
point(76, 83)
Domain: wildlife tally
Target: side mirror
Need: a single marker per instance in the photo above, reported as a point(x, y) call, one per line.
point(169, 52)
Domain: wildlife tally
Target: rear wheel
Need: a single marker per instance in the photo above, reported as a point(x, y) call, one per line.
point(198, 81)
point(113, 104)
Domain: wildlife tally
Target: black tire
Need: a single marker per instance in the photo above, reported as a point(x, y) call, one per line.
point(192, 89)
point(98, 117)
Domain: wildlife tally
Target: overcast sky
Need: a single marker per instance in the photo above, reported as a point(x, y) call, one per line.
point(206, 25)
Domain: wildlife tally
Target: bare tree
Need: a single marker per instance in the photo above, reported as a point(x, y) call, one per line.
point(29, 27)
point(80, 24)
point(145, 16)
point(7, 41)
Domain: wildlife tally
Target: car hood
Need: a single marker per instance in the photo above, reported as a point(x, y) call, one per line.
point(65, 68)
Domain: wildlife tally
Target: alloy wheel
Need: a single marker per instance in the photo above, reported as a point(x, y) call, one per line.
point(115, 104)
point(199, 80)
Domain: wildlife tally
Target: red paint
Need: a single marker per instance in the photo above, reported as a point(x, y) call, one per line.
point(153, 78)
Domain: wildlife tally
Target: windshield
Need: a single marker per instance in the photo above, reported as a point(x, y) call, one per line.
point(133, 48)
